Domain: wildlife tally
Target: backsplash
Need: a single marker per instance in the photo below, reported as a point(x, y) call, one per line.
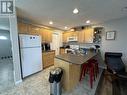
point(82, 45)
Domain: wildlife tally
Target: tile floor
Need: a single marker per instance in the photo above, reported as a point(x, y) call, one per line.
point(38, 84)
point(6, 74)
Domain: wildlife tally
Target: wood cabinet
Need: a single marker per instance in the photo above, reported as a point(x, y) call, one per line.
point(45, 34)
point(89, 35)
point(48, 58)
point(71, 74)
point(84, 36)
point(22, 28)
point(49, 36)
point(62, 50)
point(65, 37)
point(69, 34)
point(34, 30)
point(74, 34)
point(81, 36)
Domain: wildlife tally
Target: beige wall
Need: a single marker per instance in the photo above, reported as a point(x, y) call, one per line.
point(120, 43)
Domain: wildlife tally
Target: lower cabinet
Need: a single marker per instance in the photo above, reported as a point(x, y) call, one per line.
point(62, 50)
point(48, 58)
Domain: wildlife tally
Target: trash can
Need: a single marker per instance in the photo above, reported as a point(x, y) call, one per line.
point(55, 81)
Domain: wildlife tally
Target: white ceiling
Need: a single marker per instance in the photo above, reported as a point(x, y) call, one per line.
point(60, 11)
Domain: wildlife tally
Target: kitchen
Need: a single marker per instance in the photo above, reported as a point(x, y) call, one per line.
point(69, 41)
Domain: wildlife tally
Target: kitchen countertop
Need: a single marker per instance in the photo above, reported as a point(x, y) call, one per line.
point(63, 47)
point(76, 59)
point(48, 51)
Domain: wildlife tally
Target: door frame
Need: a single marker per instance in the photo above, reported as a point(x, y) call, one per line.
point(59, 33)
point(15, 48)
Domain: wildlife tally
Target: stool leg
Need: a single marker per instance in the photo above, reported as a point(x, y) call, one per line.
point(97, 69)
point(91, 78)
point(83, 72)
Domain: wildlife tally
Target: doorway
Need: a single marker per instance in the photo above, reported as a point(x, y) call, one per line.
point(6, 60)
point(55, 43)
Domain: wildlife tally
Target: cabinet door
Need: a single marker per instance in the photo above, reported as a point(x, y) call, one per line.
point(49, 36)
point(34, 30)
point(42, 33)
point(62, 50)
point(65, 37)
point(81, 36)
point(22, 28)
point(46, 35)
point(74, 34)
point(89, 35)
point(48, 58)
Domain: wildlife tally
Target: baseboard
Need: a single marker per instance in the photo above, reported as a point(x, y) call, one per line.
point(17, 82)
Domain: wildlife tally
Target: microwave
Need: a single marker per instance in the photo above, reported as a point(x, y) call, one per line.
point(69, 39)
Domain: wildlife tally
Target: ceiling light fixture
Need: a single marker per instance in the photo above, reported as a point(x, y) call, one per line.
point(72, 30)
point(75, 11)
point(88, 21)
point(66, 27)
point(51, 22)
point(3, 38)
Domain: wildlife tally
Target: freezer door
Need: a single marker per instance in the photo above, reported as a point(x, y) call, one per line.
point(29, 41)
point(31, 61)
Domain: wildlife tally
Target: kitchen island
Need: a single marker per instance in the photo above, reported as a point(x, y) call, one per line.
point(71, 64)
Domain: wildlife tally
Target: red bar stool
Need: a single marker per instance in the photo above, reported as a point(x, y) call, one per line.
point(88, 68)
point(83, 71)
point(96, 68)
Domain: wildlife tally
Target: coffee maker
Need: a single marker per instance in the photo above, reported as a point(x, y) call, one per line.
point(46, 46)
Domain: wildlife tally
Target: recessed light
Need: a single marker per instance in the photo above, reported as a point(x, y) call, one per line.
point(75, 11)
point(50, 22)
point(72, 30)
point(65, 27)
point(88, 21)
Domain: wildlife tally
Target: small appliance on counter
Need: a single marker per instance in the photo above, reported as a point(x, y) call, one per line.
point(65, 46)
point(45, 46)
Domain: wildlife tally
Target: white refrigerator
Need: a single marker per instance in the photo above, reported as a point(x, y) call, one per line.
point(31, 54)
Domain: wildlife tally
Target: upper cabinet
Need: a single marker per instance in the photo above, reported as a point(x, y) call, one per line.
point(34, 30)
point(69, 34)
point(65, 36)
point(88, 33)
point(81, 36)
point(84, 36)
point(45, 34)
point(22, 28)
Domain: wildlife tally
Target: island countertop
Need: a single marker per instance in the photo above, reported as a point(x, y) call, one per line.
point(76, 59)
point(71, 65)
